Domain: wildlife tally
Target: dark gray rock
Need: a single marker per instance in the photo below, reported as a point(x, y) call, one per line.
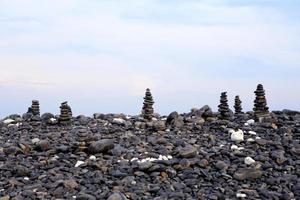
point(101, 146)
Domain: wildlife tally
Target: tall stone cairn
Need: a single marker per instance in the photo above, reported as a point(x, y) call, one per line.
point(260, 102)
point(237, 105)
point(223, 107)
point(65, 113)
point(147, 110)
point(35, 107)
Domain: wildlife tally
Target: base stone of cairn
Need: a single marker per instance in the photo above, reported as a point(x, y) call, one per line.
point(261, 110)
point(65, 114)
point(147, 110)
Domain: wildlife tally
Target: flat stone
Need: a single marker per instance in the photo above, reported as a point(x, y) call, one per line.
point(188, 152)
point(117, 196)
point(101, 146)
point(84, 196)
point(70, 184)
point(247, 174)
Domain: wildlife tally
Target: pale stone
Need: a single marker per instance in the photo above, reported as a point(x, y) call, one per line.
point(249, 160)
point(35, 140)
point(252, 133)
point(237, 136)
point(251, 121)
point(92, 157)
point(119, 121)
point(8, 121)
point(78, 163)
point(241, 195)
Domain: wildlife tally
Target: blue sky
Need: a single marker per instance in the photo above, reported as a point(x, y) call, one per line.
point(101, 55)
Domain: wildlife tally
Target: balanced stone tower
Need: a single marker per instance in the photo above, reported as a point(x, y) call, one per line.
point(223, 107)
point(65, 113)
point(237, 105)
point(261, 110)
point(147, 110)
point(35, 107)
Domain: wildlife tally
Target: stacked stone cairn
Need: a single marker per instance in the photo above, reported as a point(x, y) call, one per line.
point(223, 107)
point(147, 110)
point(65, 113)
point(237, 105)
point(261, 110)
point(35, 108)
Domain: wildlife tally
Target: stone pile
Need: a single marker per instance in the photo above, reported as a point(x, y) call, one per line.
point(223, 107)
point(104, 159)
point(238, 105)
point(65, 113)
point(261, 110)
point(35, 107)
point(147, 110)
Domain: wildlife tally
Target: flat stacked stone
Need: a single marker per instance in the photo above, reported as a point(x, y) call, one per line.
point(223, 107)
point(261, 110)
point(237, 105)
point(65, 113)
point(35, 107)
point(147, 110)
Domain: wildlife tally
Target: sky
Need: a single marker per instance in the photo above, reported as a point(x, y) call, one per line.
point(101, 55)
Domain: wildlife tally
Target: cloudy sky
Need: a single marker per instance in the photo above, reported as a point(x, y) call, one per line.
point(101, 55)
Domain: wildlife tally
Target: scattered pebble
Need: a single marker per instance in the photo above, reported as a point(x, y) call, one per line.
point(241, 195)
point(237, 136)
point(78, 163)
point(249, 161)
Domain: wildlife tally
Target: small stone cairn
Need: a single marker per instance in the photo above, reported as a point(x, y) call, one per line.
point(35, 107)
point(147, 110)
point(65, 113)
point(223, 107)
point(237, 105)
point(261, 110)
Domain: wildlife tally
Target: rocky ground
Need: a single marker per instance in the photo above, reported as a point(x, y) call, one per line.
point(118, 157)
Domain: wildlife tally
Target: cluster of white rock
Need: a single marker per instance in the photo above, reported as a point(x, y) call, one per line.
point(238, 136)
point(148, 159)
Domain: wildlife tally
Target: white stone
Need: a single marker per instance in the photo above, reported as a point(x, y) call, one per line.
point(26, 178)
point(165, 158)
point(257, 138)
point(74, 197)
point(133, 182)
point(119, 121)
point(8, 121)
point(237, 136)
point(250, 140)
point(12, 125)
point(35, 140)
point(54, 158)
point(249, 160)
point(246, 124)
point(78, 163)
point(133, 159)
point(241, 195)
point(251, 121)
point(234, 147)
point(92, 157)
point(52, 119)
point(169, 157)
point(252, 133)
